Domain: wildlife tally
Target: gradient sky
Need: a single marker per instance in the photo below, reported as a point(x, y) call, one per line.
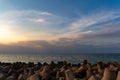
point(60, 26)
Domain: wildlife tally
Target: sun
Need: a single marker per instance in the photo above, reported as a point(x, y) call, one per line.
point(4, 34)
point(8, 35)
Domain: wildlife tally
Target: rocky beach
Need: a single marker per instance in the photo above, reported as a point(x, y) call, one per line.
point(62, 70)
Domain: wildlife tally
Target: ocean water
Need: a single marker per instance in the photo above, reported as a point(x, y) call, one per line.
point(72, 58)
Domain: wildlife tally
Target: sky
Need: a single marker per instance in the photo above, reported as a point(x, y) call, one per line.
point(59, 26)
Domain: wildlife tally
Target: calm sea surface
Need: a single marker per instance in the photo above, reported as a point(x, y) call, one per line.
point(76, 58)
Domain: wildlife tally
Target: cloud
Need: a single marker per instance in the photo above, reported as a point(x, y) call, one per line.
point(107, 36)
point(27, 18)
point(32, 24)
point(93, 19)
point(49, 33)
point(65, 46)
point(40, 20)
point(46, 13)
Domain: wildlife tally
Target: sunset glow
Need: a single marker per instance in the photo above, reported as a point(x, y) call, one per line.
point(8, 36)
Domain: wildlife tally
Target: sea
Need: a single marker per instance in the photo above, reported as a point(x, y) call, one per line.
point(71, 58)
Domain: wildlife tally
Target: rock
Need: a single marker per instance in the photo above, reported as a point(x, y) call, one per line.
point(118, 76)
point(69, 75)
point(109, 74)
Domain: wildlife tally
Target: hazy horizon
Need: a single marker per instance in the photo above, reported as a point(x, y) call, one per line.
point(58, 27)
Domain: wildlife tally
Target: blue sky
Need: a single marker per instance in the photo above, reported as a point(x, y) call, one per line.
point(65, 7)
point(49, 26)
